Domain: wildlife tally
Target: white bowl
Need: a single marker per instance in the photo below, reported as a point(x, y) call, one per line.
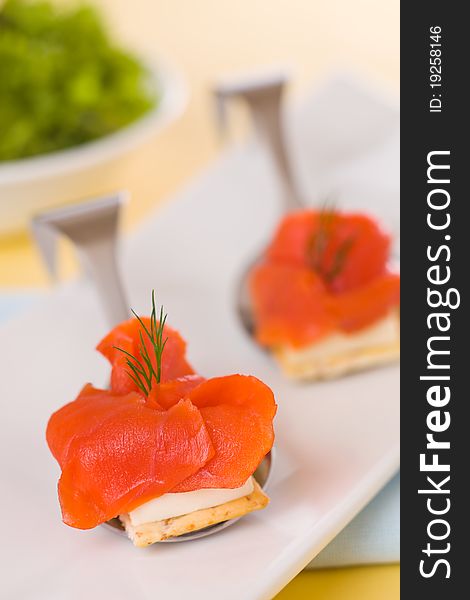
point(32, 184)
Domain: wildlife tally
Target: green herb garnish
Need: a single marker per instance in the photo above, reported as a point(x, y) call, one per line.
point(142, 370)
point(318, 242)
point(63, 81)
point(339, 260)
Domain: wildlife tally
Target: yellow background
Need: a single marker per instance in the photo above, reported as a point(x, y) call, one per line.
point(208, 38)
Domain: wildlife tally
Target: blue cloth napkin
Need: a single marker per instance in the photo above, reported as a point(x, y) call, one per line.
point(373, 536)
point(13, 303)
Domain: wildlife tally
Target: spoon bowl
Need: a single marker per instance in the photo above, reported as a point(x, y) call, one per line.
point(243, 303)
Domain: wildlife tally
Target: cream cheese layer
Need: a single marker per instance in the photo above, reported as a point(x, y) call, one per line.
point(174, 505)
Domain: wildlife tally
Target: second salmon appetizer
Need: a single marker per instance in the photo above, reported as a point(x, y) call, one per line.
point(325, 301)
point(164, 449)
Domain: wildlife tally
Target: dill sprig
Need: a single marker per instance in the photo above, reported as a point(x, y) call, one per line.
point(318, 242)
point(339, 260)
point(142, 371)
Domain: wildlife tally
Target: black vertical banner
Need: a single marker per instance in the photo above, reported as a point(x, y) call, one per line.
point(435, 267)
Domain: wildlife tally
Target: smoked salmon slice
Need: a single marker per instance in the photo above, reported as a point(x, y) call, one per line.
point(361, 307)
point(322, 272)
point(116, 453)
point(238, 412)
point(165, 395)
point(118, 448)
point(290, 305)
point(315, 239)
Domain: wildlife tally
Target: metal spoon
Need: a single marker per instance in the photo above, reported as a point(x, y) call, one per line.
point(92, 227)
point(263, 95)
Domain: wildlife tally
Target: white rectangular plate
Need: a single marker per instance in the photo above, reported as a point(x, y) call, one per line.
point(337, 442)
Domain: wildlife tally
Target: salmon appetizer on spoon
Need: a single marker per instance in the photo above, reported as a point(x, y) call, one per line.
point(325, 300)
point(164, 450)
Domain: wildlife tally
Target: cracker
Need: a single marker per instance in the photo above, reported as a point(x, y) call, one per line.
point(307, 364)
point(157, 531)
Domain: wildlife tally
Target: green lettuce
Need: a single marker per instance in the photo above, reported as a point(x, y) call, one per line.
point(63, 81)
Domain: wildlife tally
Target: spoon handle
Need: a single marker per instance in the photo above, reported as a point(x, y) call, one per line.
point(264, 97)
point(92, 228)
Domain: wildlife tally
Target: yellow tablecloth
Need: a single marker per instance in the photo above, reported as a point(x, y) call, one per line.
point(205, 39)
point(356, 583)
